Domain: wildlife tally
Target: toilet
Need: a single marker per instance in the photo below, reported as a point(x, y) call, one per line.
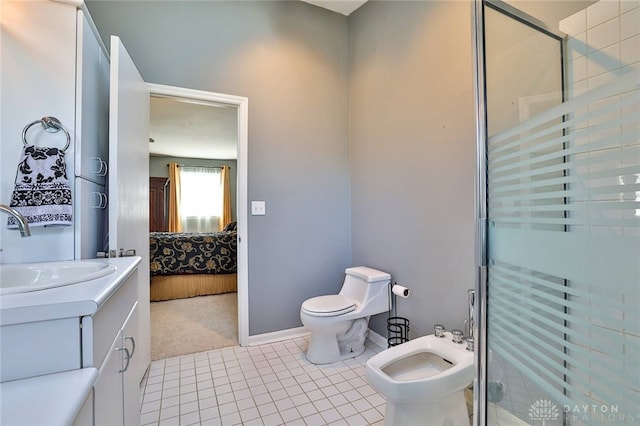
point(339, 322)
point(423, 381)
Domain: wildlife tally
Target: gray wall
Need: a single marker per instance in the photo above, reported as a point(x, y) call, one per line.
point(361, 139)
point(413, 154)
point(158, 168)
point(291, 60)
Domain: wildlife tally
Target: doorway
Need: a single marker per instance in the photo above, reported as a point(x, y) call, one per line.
point(238, 106)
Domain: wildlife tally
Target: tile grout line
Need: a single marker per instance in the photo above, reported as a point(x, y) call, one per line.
point(284, 390)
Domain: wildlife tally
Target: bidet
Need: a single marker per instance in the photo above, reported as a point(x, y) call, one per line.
point(423, 381)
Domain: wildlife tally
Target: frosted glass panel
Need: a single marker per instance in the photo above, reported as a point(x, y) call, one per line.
point(563, 207)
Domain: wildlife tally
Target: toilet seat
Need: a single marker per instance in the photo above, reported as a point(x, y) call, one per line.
point(328, 306)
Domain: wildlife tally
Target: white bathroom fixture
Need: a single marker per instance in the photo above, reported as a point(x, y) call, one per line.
point(339, 322)
point(26, 277)
point(423, 381)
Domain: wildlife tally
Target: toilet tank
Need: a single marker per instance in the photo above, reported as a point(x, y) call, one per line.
point(367, 286)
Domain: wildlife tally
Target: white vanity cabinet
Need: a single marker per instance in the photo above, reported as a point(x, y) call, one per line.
point(116, 389)
point(130, 377)
point(109, 344)
point(71, 331)
point(29, 349)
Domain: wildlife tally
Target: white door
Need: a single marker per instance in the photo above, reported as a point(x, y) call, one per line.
point(129, 178)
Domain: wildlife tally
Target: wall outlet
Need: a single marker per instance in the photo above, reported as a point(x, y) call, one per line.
point(258, 208)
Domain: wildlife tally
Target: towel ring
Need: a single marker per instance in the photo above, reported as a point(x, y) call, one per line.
point(51, 125)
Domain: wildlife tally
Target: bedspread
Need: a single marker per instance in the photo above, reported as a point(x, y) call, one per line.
point(193, 253)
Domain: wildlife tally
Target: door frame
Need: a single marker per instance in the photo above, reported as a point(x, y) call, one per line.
point(242, 104)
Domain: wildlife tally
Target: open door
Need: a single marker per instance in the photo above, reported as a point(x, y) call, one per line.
point(129, 183)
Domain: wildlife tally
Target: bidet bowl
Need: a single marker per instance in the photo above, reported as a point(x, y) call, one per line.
point(26, 277)
point(422, 369)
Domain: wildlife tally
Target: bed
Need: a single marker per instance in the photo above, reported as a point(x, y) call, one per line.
point(192, 264)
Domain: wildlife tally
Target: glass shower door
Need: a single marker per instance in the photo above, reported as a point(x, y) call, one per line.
point(563, 220)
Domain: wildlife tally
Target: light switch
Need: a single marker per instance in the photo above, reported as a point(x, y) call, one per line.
point(258, 208)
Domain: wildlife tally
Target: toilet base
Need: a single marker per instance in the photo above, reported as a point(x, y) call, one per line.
point(324, 349)
point(450, 410)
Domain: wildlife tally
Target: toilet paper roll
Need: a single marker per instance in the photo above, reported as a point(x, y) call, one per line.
point(401, 291)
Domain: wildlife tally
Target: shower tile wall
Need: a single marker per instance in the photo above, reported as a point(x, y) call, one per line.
point(603, 42)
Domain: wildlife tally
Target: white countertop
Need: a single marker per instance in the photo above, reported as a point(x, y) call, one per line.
point(54, 399)
point(68, 301)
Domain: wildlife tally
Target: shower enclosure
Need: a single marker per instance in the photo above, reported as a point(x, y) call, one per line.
point(559, 213)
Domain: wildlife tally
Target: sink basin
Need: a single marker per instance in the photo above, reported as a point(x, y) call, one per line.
point(25, 277)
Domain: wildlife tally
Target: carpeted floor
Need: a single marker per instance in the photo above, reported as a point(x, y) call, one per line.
point(197, 324)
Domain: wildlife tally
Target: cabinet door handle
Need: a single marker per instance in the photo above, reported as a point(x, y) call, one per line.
point(133, 343)
point(128, 355)
point(104, 199)
point(104, 168)
point(97, 170)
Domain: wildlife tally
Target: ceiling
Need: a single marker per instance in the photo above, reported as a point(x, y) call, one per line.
point(345, 7)
point(192, 129)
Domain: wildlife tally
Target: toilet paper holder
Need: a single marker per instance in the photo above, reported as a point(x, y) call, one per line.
point(397, 327)
point(400, 290)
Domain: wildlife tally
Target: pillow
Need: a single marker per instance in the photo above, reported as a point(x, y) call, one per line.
point(231, 226)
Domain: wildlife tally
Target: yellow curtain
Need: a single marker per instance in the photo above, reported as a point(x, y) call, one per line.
point(225, 219)
point(175, 221)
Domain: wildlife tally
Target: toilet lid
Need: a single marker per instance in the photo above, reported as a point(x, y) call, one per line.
point(328, 306)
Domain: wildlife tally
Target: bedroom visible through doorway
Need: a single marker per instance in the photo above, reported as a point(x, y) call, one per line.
point(195, 324)
point(198, 275)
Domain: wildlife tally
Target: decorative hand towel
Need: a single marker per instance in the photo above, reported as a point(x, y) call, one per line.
point(42, 193)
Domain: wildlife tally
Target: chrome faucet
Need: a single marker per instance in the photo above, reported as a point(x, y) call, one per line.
point(22, 223)
point(469, 323)
point(471, 296)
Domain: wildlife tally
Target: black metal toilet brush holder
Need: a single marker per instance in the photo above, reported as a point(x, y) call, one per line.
point(397, 331)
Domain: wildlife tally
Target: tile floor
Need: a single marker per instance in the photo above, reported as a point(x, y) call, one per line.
point(520, 393)
point(270, 384)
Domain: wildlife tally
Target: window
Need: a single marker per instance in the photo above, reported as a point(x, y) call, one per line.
point(200, 199)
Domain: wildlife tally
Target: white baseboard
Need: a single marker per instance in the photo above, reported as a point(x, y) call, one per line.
point(277, 336)
point(377, 339)
point(293, 333)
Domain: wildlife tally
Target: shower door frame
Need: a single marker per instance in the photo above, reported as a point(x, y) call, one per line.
point(481, 202)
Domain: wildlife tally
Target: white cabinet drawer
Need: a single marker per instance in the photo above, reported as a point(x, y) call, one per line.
point(39, 348)
point(99, 330)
